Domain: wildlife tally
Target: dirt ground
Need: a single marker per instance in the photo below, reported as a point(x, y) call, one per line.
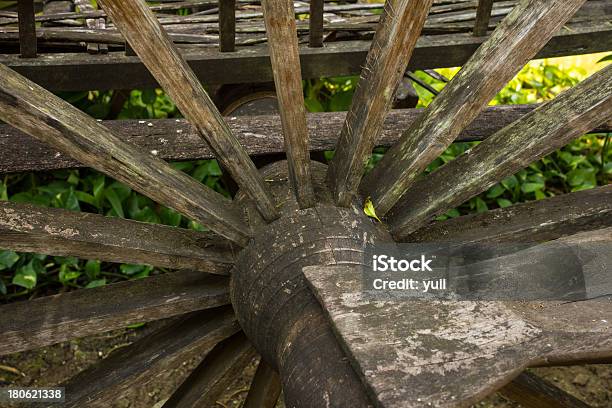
point(54, 364)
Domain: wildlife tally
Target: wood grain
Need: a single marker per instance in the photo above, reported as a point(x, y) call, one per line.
point(227, 25)
point(282, 41)
point(166, 349)
point(399, 28)
point(315, 24)
point(53, 319)
point(265, 388)
point(539, 133)
point(27, 29)
point(52, 231)
point(46, 117)
point(219, 369)
point(260, 135)
point(531, 222)
point(150, 41)
point(532, 391)
point(515, 40)
point(483, 16)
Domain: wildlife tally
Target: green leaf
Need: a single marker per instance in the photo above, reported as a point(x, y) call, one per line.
point(503, 202)
point(496, 191)
point(92, 269)
point(481, 206)
point(26, 276)
point(313, 105)
point(368, 209)
point(131, 269)
point(3, 192)
point(98, 188)
point(509, 182)
point(531, 187)
point(606, 58)
point(8, 259)
point(96, 283)
point(115, 202)
point(72, 202)
point(66, 274)
point(148, 96)
point(85, 198)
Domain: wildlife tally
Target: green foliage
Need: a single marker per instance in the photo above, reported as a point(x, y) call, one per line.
point(582, 164)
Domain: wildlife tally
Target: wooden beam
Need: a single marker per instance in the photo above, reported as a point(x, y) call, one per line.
point(530, 138)
point(265, 388)
point(48, 118)
point(483, 16)
point(399, 28)
point(194, 335)
point(515, 41)
point(315, 24)
point(208, 382)
point(177, 140)
point(282, 41)
point(79, 71)
point(532, 391)
point(53, 231)
point(227, 25)
point(150, 41)
point(27, 28)
point(531, 222)
point(85, 312)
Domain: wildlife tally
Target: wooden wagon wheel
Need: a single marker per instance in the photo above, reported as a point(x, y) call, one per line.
point(301, 215)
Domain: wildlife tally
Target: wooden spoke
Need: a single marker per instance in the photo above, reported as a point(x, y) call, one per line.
point(27, 29)
point(479, 345)
point(265, 388)
point(41, 114)
point(535, 221)
point(315, 24)
point(152, 44)
point(483, 16)
point(174, 140)
point(540, 132)
point(52, 319)
point(531, 391)
point(227, 25)
point(399, 28)
point(191, 336)
point(515, 40)
point(279, 18)
point(211, 378)
point(28, 228)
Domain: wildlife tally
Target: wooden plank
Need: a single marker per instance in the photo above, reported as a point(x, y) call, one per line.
point(532, 391)
point(399, 28)
point(150, 41)
point(77, 71)
point(539, 133)
point(53, 319)
point(531, 222)
point(265, 388)
point(53, 231)
point(515, 40)
point(27, 29)
point(478, 345)
point(282, 41)
point(138, 364)
point(260, 135)
point(86, 6)
point(219, 369)
point(483, 16)
point(227, 25)
point(43, 115)
point(315, 24)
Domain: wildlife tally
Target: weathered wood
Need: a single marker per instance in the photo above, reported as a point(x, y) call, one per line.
point(515, 40)
point(483, 15)
point(52, 319)
point(391, 48)
point(144, 33)
point(74, 71)
point(531, 391)
point(86, 6)
point(531, 222)
point(138, 364)
point(444, 353)
point(265, 388)
point(260, 135)
point(227, 25)
point(215, 373)
point(41, 114)
point(28, 228)
point(539, 133)
point(27, 28)
point(315, 24)
point(284, 55)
